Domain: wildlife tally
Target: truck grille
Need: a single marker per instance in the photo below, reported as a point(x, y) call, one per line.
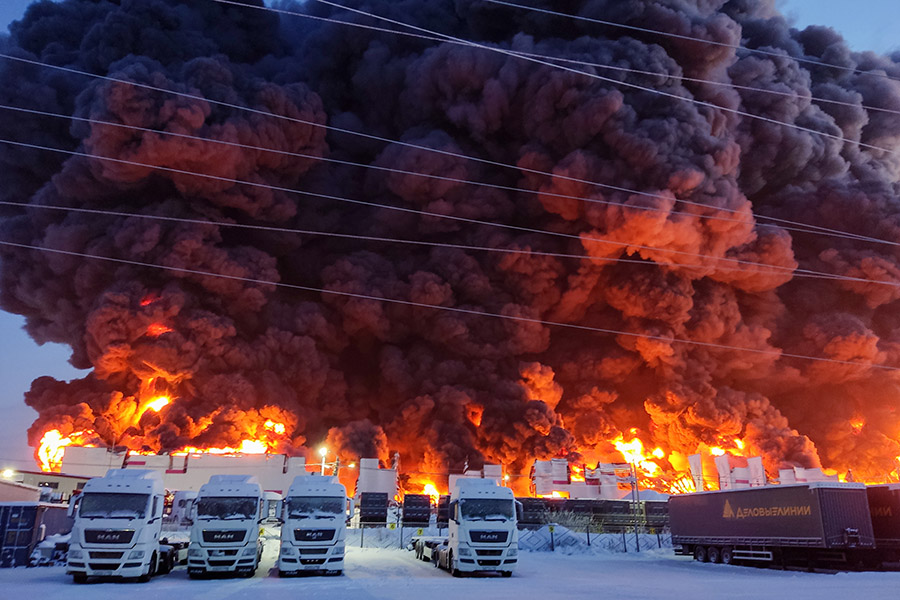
point(108, 536)
point(313, 550)
point(103, 566)
point(497, 537)
point(313, 535)
point(217, 536)
point(312, 561)
point(221, 563)
point(489, 552)
point(489, 563)
point(107, 555)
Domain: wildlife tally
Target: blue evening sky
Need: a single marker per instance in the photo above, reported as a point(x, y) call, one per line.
point(866, 24)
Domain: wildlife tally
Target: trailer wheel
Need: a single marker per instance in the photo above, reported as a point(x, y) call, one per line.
point(713, 554)
point(727, 555)
point(700, 554)
point(79, 577)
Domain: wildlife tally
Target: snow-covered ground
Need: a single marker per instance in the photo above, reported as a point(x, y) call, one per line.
point(389, 574)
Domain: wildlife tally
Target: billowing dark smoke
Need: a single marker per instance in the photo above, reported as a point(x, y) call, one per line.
point(444, 388)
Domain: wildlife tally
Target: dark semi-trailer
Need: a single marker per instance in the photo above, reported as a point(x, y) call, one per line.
point(810, 524)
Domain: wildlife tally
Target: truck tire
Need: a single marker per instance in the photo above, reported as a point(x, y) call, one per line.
point(713, 554)
point(727, 555)
point(700, 554)
point(452, 567)
point(79, 577)
point(151, 570)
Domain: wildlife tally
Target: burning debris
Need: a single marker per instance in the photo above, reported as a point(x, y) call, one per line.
point(183, 361)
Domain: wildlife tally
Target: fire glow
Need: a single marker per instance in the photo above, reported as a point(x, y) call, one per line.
point(219, 351)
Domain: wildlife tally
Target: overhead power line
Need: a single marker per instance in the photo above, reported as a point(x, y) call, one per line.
point(498, 50)
point(385, 140)
point(660, 32)
point(453, 309)
point(785, 224)
point(581, 238)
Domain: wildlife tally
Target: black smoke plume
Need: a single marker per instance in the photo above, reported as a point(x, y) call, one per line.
point(444, 388)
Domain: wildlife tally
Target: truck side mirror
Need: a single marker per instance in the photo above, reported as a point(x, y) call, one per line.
point(519, 509)
point(452, 511)
point(74, 503)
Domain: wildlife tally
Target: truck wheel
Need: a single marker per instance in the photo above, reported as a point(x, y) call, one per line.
point(713, 554)
point(700, 554)
point(79, 577)
point(727, 555)
point(151, 570)
point(452, 566)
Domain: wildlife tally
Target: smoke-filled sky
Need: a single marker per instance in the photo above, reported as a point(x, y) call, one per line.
point(445, 388)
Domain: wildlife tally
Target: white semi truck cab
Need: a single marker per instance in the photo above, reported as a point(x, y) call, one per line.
point(315, 526)
point(118, 519)
point(225, 531)
point(482, 531)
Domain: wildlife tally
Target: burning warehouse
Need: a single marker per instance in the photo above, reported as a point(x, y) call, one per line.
point(262, 231)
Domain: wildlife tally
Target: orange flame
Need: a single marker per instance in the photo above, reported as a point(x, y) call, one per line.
point(157, 403)
point(633, 452)
point(432, 491)
point(274, 427)
point(246, 447)
point(53, 446)
point(157, 329)
point(149, 299)
point(716, 451)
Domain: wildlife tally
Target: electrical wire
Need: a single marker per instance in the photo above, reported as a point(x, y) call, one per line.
point(608, 79)
point(453, 309)
point(523, 169)
point(689, 38)
point(802, 228)
point(777, 268)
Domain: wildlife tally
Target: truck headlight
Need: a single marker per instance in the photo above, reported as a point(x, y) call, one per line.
point(465, 551)
point(135, 554)
point(249, 551)
point(76, 554)
point(195, 552)
point(513, 551)
point(339, 550)
point(288, 550)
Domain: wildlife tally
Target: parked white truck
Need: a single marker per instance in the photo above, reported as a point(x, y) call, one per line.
point(226, 526)
point(315, 526)
point(118, 519)
point(483, 529)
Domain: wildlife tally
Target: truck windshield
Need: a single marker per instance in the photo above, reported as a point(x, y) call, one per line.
point(113, 506)
point(227, 508)
point(488, 509)
point(314, 507)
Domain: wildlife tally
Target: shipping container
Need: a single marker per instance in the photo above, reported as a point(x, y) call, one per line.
point(24, 524)
point(884, 506)
point(823, 522)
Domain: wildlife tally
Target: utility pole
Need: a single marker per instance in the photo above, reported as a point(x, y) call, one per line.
point(636, 498)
